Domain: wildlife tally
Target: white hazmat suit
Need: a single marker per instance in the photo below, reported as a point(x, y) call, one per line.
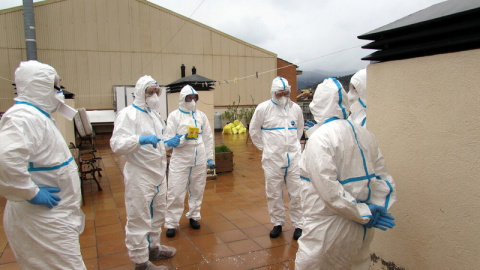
point(276, 130)
point(359, 81)
point(342, 170)
point(34, 154)
point(187, 169)
point(144, 173)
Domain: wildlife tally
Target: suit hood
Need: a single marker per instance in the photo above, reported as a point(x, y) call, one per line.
point(279, 84)
point(142, 84)
point(186, 90)
point(35, 84)
point(329, 101)
point(359, 80)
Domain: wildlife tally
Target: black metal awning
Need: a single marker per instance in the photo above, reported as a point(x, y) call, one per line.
point(199, 83)
point(446, 27)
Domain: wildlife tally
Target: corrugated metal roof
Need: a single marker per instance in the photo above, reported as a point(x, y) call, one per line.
point(434, 12)
point(198, 82)
point(445, 27)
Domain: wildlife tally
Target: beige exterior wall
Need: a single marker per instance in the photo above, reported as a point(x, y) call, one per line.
point(425, 114)
point(95, 44)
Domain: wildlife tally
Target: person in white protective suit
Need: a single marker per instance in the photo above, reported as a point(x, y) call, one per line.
point(138, 135)
point(358, 92)
point(276, 129)
point(38, 175)
point(346, 189)
point(188, 164)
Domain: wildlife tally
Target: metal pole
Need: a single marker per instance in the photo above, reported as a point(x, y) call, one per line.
point(29, 23)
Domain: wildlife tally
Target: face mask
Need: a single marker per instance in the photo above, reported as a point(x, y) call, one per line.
point(191, 105)
point(153, 102)
point(282, 101)
point(352, 96)
point(56, 101)
point(60, 96)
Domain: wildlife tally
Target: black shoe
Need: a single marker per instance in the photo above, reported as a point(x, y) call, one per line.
point(297, 233)
point(276, 231)
point(194, 224)
point(170, 233)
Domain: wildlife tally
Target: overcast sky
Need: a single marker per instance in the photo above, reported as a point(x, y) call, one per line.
point(308, 33)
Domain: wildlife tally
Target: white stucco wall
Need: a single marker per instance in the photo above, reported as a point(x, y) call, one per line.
point(425, 113)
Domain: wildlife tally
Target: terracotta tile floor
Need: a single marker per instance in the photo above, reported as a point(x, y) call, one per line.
point(235, 222)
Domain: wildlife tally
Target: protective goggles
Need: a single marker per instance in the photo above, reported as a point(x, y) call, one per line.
point(150, 91)
point(282, 93)
point(189, 98)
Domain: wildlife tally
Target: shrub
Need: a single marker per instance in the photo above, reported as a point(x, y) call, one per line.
point(222, 149)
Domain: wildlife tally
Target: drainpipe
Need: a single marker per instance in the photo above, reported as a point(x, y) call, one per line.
point(29, 23)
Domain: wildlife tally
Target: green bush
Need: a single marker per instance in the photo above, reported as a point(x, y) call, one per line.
point(247, 114)
point(222, 149)
point(233, 112)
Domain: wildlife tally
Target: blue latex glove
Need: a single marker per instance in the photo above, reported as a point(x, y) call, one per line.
point(45, 197)
point(173, 142)
point(149, 139)
point(309, 123)
point(384, 221)
point(377, 211)
point(211, 165)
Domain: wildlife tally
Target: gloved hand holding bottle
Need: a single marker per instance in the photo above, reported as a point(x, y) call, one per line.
point(188, 138)
point(173, 142)
point(149, 139)
point(211, 165)
point(45, 197)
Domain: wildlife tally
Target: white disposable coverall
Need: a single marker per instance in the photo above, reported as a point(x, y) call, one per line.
point(34, 154)
point(188, 164)
point(342, 169)
point(359, 81)
point(277, 132)
point(144, 172)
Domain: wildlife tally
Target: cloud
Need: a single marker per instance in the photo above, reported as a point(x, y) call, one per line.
point(257, 31)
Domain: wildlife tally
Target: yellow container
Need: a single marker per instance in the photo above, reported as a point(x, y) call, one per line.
point(192, 132)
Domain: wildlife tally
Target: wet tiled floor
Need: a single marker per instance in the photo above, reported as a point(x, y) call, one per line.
point(235, 221)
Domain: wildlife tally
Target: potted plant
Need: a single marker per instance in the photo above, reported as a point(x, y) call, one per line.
point(223, 159)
